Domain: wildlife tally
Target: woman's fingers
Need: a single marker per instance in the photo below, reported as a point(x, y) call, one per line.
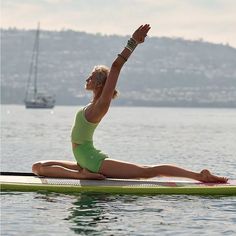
point(147, 28)
point(140, 34)
point(140, 27)
point(144, 30)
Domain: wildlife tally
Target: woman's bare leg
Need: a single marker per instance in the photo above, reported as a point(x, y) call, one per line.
point(63, 169)
point(117, 169)
point(67, 164)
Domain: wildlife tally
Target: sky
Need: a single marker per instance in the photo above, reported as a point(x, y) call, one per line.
point(209, 20)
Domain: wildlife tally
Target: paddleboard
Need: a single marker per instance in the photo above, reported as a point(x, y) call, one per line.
point(28, 182)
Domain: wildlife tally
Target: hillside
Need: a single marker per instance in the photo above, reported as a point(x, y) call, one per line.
point(162, 72)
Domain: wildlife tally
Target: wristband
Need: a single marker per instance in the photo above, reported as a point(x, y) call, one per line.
point(125, 59)
point(131, 44)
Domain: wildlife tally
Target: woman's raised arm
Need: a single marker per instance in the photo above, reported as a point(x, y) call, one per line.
point(138, 37)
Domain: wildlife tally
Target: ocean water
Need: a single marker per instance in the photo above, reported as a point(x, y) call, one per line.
point(188, 137)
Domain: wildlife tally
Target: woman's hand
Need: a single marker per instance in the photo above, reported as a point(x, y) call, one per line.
point(140, 34)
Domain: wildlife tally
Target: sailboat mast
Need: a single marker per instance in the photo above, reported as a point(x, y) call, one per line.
point(36, 61)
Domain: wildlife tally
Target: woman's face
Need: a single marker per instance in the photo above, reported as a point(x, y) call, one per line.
point(91, 82)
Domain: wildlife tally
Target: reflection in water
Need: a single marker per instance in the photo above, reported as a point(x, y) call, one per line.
point(106, 214)
point(92, 213)
point(103, 214)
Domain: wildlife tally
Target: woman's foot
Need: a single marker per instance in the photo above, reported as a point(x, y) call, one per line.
point(85, 174)
point(207, 177)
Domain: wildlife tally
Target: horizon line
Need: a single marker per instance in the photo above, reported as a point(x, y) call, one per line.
point(200, 39)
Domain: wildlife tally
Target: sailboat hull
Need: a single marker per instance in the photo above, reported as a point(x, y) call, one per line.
point(35, 105)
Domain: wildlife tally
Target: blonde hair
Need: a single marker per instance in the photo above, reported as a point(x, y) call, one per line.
point(102, 73)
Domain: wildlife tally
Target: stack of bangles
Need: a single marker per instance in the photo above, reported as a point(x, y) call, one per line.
point(131, 45)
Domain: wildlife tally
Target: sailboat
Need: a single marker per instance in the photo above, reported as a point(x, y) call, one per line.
point(34, 98)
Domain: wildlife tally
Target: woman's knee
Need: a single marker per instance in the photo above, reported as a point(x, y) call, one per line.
point(36, 168)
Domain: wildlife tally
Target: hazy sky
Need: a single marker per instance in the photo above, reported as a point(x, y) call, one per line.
point(211, 20)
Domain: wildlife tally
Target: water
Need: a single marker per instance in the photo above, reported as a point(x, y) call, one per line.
point(193, 138)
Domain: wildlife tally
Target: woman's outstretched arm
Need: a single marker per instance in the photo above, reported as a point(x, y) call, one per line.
point(138, 37)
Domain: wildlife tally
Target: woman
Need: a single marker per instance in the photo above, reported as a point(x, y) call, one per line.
point(92, 163)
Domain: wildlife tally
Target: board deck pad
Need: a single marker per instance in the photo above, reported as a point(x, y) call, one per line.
point(135, 186)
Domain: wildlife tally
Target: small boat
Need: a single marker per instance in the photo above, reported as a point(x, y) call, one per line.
point(33, 98)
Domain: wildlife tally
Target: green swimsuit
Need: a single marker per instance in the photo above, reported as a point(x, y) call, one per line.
point(86, 155)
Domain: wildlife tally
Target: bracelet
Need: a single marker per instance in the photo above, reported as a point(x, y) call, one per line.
point(119, 55)
point(131, 44)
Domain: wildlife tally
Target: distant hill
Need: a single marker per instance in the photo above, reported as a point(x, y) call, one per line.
point(161, 72)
